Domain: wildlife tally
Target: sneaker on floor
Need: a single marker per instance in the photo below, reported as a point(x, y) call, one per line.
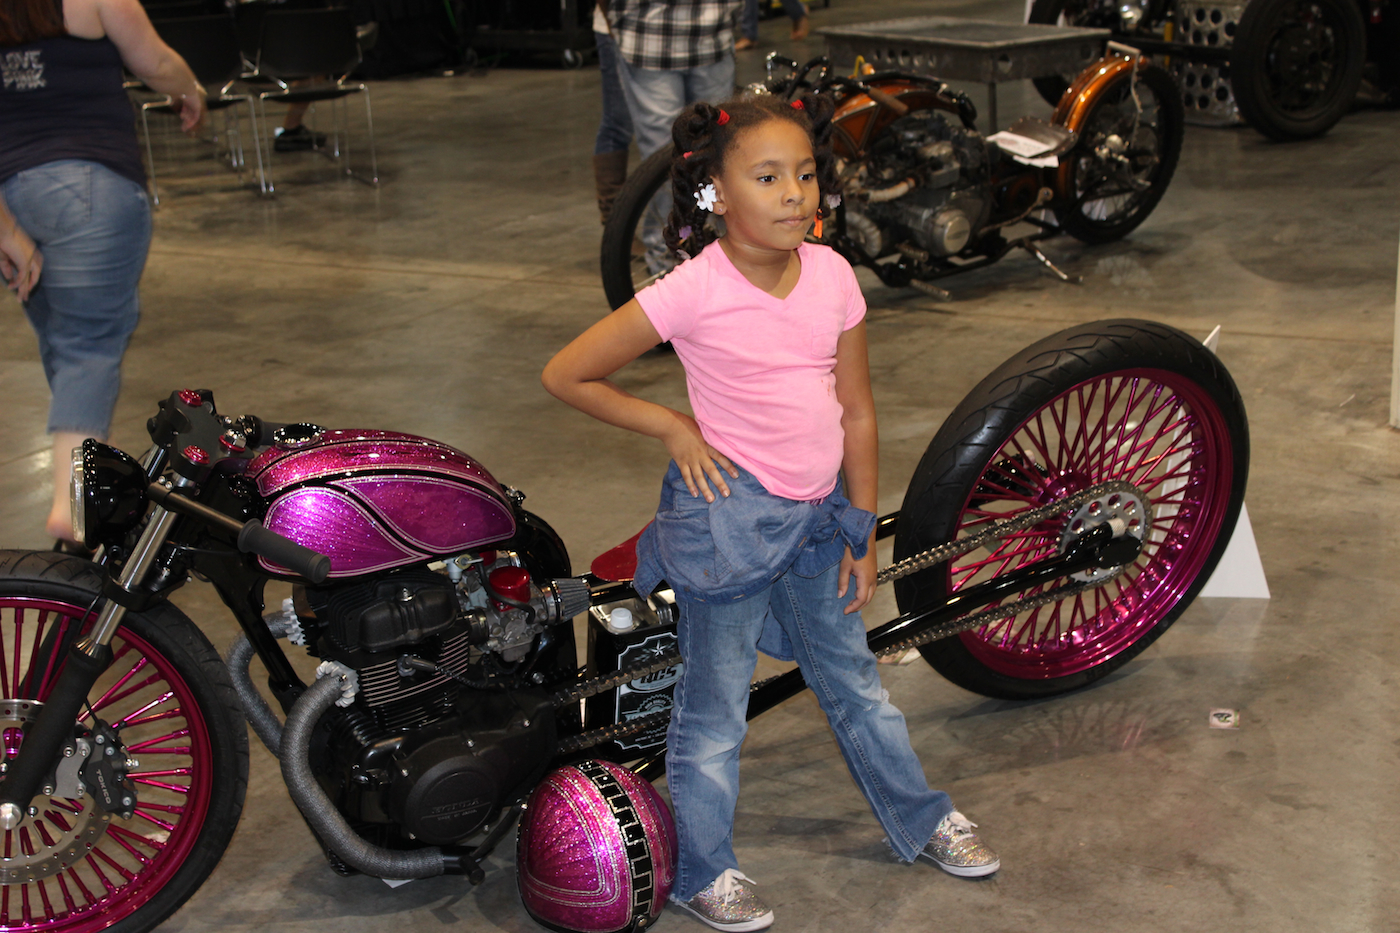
point(956, 849)
point(729, 904)
point(297, 140)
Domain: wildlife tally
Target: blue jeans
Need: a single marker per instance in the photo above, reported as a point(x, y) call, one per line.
point(93, 228)
point(748, 22)
point(719, 643)
point(615, 129)
point(655, 97)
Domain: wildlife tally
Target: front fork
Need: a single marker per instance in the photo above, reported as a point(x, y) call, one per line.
point(88, 658)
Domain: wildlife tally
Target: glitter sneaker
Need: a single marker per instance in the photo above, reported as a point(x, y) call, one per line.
point(729, 904)
point(956, 849)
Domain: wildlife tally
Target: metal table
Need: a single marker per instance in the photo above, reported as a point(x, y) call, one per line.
point(966, 49)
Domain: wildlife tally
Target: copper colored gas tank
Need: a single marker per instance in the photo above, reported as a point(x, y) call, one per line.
point(372, 500)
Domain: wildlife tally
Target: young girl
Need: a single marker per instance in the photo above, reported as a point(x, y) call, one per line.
point(755, 531)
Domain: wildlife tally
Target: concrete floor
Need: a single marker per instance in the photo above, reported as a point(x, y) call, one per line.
point(431, 304)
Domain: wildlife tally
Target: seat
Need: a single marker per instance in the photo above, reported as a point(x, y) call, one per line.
point(618, 564)
point(209, 45)
point(297, 50)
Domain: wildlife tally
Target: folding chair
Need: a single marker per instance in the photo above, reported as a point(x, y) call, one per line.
point(306, 44)
point(209, 45)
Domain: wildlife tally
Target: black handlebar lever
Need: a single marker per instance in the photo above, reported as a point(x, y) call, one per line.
point(253, 538)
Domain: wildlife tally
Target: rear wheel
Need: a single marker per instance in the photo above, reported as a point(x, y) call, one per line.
point(1125, 400)
point(1297, 64)
point(1124, 159)
point(633, 255)
point(71, 866)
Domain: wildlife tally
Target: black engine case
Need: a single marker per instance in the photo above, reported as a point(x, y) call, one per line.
point(450, 779)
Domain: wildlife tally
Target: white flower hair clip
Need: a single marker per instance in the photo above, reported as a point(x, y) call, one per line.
point(833, 201)
point(705, 197)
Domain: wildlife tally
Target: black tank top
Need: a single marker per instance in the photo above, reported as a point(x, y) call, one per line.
point(62, 98)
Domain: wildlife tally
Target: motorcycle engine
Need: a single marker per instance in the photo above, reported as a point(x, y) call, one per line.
point(448, 723)
point(924, 181)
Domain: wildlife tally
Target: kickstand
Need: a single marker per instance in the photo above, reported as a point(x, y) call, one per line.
point(1045, 261)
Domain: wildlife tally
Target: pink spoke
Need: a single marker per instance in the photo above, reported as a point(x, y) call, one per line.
point(173, 788)
point(147, 746)
point(101, 875)
point(131, 716)
point(141, 812)
point(121, 682)
point(109, 698)
point(44, 894)
point(126, 875)
point(173, 772)
point(12, 686)
point(161, 807)
point(157, 717)
point(51, 668)
point(87, 895)
point(121, 833)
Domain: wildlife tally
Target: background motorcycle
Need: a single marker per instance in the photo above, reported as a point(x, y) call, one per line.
point(1083, 491)
point(925, 196)
point(1294, 65)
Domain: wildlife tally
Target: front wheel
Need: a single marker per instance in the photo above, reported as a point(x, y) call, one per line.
point(1114, 400)
point(1297, 64)
point(170, 716)
point(1129, 142)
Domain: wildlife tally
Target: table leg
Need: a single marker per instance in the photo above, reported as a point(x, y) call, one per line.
point(991, 108)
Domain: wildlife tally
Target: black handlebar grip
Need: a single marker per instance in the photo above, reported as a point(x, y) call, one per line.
point(255, 539)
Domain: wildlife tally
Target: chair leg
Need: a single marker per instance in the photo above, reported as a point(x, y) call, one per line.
point(264, 156)
point(150, 156)
point(369, 126)
point(264, 182)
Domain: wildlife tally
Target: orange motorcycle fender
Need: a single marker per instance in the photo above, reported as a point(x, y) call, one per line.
point(1077, 101)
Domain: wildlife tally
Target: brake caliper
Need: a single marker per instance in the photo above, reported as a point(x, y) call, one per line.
point(105, 772)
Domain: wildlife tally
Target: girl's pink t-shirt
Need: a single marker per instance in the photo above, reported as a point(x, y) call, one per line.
point(760, 370)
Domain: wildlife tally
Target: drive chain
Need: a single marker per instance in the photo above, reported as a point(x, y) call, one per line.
point(910, 565)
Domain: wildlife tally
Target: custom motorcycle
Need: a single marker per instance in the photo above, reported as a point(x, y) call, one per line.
point(1293, 66)
point(1064, 515)
point(925, 195)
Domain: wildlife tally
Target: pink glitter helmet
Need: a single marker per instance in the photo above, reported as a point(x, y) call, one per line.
point(596, 850)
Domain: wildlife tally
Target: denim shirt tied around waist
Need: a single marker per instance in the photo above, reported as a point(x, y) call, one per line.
point(737, 545)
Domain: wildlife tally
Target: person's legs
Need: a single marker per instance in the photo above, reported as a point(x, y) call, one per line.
point(710, 83)
point(707, 728)
point(748, 26)
point(797, 12)
point(839, 667)
point(614, 129)
point(93, 228)
point(654, 100)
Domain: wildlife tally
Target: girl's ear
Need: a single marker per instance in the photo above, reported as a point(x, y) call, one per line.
point(719, 207)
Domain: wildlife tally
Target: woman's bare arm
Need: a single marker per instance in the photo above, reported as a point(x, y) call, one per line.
point(143, 52)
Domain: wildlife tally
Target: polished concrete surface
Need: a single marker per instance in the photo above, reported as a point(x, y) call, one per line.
point(431, 304)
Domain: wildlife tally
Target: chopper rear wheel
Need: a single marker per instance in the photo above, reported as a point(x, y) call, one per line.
point(1297, 65)
point(1129, 400)
point(1124, 160)
point(72, 867)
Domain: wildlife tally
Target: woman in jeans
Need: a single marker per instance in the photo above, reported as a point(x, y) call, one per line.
point(74, 221)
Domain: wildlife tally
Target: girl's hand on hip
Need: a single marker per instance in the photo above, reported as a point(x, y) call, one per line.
point(20, 262)
point(865, 571)
point(697, 459)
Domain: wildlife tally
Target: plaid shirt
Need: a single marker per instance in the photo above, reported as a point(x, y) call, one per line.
point(673, 35)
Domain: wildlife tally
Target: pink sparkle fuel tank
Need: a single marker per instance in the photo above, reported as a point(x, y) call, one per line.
point(374, 500)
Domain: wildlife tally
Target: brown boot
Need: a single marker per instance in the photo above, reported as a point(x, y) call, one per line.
point(609, 172)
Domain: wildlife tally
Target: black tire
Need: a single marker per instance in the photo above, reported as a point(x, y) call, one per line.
point(42, 596)
point(1135, 400)
point(1111, 192)
point(1089, 13)
point(624, 273)
point(1297, 64)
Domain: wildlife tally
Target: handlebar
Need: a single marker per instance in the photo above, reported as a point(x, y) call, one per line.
point(253, 538)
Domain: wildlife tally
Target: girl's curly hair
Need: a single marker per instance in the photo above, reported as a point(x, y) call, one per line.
point(702, 143)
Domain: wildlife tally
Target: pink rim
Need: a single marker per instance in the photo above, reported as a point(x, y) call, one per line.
point(133, 859)
point(1155, 429)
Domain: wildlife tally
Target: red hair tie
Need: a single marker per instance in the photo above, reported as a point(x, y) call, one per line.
point(686, 155)
point(722, 119)
point(797, 105)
